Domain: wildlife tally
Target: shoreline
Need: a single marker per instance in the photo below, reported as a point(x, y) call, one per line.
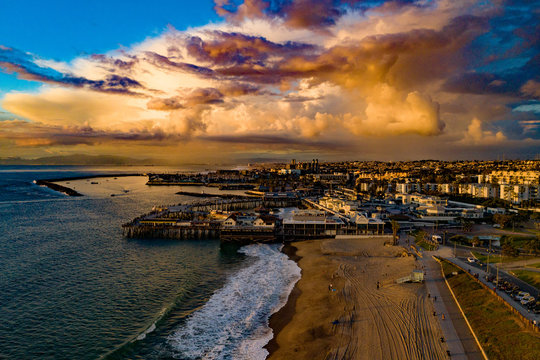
point(284, 316)
point(348, 304)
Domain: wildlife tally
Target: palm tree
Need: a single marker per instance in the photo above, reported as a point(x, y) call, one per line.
point(395, 229)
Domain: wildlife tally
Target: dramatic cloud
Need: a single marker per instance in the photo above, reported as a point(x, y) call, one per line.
point(477, 135)
point(336, 76)
point(12, 60)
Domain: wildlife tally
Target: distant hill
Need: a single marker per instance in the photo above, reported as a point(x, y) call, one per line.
point(79, 159)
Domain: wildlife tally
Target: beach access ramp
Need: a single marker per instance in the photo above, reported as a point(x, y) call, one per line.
point(416, 276)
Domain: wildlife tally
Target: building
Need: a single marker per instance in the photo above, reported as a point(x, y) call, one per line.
point(334, 178)
point(310, 224)
point(446, 188)
point(518, 193)
point(517, 177)
point(296, 172)
point(407, 188)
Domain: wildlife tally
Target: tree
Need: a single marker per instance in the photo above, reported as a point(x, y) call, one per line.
point(475, 241)
point(395, 229)
point(502, 220)
point(466, 225)
point(533, 246)
point(509, 249)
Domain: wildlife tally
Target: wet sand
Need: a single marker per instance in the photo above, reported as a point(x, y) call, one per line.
point(353, 319)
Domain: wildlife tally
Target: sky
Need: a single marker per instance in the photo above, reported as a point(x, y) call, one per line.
point(230, 81)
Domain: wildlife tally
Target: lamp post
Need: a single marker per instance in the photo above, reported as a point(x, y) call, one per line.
point(489, 252)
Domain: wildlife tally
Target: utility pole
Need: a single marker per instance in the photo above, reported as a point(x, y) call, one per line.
point(489, 252)
point(454, 248)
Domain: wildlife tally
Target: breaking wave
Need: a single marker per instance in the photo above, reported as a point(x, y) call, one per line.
point(234, 321)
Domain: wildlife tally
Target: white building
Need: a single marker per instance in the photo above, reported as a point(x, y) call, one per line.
point(446, 188)
point(407, 188)
point(529, 177)
point(518, 193)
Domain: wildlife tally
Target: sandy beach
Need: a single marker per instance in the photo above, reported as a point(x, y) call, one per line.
point(337, 312)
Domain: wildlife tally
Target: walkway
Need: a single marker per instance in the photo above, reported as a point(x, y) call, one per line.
point(459, 338)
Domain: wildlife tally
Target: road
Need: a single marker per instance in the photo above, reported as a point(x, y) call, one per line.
point(481, 276)
point(524, 286)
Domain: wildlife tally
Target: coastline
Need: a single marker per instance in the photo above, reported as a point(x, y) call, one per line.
point(284, 316)
point(337, 309)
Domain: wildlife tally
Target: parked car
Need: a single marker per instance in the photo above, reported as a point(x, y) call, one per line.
point(526, 300)
point(521, 295)
point(471, 259)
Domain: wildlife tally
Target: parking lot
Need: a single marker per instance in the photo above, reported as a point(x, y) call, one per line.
point(521, 295)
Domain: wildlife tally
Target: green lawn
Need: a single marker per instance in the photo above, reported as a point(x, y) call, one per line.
point(426, 246)
point(535, 265)
point(501, 333)
point(531, 277)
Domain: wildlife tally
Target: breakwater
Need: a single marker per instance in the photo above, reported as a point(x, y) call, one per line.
point(51, 183)
point(57, 187)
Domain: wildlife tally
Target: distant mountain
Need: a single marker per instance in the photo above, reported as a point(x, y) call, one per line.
point(79, 159)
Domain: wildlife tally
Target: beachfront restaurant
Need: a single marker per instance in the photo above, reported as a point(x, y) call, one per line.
point(306, 224)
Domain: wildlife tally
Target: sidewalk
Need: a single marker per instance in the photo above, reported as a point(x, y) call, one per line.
point(458, 337)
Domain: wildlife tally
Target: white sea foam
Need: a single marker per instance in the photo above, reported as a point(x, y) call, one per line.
point(146, 332)
point(233, 324)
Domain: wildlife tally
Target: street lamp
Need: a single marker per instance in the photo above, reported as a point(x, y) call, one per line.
point(497, 274)
point(489, 252)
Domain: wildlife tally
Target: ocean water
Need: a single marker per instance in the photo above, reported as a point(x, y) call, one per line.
point(72, 287)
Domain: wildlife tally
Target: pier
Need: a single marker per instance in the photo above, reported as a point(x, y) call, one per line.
point(190, 221)
point(223, 219)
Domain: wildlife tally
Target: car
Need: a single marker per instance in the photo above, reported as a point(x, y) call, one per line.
point(521, 295)
point(471, 259)
point(527, 300)
point(531, 305)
